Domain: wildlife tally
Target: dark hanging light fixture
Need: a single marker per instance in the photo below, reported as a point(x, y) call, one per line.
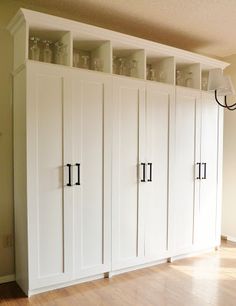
point(222, 86)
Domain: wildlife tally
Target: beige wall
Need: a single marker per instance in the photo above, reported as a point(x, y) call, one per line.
point(6, 169)
point(229, 163)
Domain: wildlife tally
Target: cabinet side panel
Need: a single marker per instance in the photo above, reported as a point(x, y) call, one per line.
point(219, 176)
point(20, 45)
point(20, 198)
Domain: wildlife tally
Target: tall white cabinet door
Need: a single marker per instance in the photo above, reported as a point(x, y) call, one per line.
point(128, 153)
point(207, 209)
point(184, 191)
point(92, 101)
point(159, 134)
point(49, 199)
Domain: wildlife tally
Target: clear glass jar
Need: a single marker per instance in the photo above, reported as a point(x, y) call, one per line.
point(152, 75)
point(34, 49)
point(76, 58)
point(60, 53)
point(122, 69)
point(97, 64)
point(85, 61)
point(47, 52)
point(204, 83)
point(179, 78)
point(133, 71)
point(189, 80)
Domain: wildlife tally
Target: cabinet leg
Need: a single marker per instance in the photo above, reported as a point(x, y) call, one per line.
point(108, 275)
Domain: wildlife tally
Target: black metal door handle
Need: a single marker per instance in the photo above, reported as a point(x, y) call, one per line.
point(69, 168)
point(78, 173)
point(204, 171)
point(144, 172)
point(150, 172)
point(199, 171)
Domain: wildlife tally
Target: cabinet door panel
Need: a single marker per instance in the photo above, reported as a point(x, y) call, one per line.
point(160, 103)
point(91, 95)
point(127, 233)
point(183, 201)
point(209, 154)
point(49, 224)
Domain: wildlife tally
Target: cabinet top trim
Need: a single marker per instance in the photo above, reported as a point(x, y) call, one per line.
point(44, 21)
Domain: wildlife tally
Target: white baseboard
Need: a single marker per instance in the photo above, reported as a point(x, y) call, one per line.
point(7, 278)
point(230, 238)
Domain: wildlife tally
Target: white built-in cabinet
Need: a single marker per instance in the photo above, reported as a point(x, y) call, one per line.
point(91, 96)
point(68, 147)
point(194, 205)
point(142, 142)
point(48, 150)
point(128, 154)
point(111, 172)
point(184, 193)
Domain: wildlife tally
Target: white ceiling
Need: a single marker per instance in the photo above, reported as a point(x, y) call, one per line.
point(203, 26)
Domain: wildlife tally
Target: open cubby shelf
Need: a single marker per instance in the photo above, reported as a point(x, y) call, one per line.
point(79, 45)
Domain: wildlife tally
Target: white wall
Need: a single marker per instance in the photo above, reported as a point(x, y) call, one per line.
point(229, 163)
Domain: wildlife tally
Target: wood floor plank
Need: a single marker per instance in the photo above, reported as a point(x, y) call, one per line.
point(209, 279)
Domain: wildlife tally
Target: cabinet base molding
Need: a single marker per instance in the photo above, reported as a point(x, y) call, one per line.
point(7, 278)
point(66, 284)
point(133, 268)
point(111, 273)
point(193, 253)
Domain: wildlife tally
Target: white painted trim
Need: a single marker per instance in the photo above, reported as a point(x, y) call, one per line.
point(7, 278)
point(37, 19)
point(193, 253)
point(120, 271)
point(66, 284)
point(230, 238)
point(137, 267)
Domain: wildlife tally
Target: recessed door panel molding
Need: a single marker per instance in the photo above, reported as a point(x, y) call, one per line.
point(159, 134)
point(129, 106)
point(91, 96)
point(185, 189)
point(48, 199)
point(207, 208)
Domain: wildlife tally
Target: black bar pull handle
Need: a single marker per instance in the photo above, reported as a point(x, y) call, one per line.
point(150, 172)
point(78, 179)
point(70, 172)
point(143, 165)
point(204, 171)
point(199, 171)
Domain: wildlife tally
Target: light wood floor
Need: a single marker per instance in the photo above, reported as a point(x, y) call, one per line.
point(209, 279)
